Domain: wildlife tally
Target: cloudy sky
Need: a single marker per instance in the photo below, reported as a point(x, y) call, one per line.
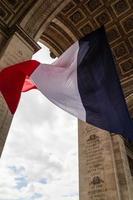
point(40, 160)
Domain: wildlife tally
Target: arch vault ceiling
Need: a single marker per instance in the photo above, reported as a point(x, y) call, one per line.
point(80, 17)
point(75, 20)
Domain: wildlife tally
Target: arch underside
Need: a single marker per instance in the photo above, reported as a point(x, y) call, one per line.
point(81, 17)
point(59, 23)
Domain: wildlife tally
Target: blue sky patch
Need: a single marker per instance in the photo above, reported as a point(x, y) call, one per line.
point(21, 182)
point(43, 181)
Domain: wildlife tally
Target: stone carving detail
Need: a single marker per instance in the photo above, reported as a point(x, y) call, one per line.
point(128, 24)
point(113, 34)
point(52, 55)
point(86, 29)
point(93, 137)
point(81, 17)
point(5, 14)
point(96, 180)
point(120, 50)
point(93, 5)
point(45, 9)
point(77, 17)
point(120, 7)
point(127, 65)
point(103, 18)
point(11, 10)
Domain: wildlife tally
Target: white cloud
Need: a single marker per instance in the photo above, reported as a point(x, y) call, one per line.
point(40, 156)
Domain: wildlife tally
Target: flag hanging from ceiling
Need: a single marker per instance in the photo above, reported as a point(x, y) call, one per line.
point(82, 81)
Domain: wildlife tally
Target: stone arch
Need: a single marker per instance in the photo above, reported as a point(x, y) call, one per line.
point(24, 23)
point(21, 26)
point(40, 15)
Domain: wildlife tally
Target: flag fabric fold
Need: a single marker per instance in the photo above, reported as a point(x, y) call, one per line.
point(83, 81)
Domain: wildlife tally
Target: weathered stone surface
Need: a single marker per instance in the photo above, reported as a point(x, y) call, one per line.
point(82, 17)
point(17, 49)
point(104, 172)
point(97, 172)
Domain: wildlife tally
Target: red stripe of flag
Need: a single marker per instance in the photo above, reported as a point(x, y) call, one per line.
point(12, 80)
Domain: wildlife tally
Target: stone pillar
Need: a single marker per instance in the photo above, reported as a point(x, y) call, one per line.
point(99, 171)
point(5, 121)
point(17, 48)
point(123, 170)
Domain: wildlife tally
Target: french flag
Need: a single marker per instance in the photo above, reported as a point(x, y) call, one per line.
point(82, 81)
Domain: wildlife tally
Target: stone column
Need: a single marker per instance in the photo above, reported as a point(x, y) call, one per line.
point(17, 48)
point(123, 170)
point(100, 175)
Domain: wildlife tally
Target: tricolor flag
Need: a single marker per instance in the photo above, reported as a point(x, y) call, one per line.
point(83, 81)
